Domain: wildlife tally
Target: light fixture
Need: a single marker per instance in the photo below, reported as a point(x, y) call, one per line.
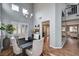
point(26, 16)
point(25, 11)
point(31, 15)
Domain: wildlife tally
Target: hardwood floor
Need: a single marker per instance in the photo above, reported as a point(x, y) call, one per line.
point(7, 52)
point(71, 48)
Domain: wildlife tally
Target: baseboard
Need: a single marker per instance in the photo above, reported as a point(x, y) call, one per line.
point(57, 47)
point(61, 46)
point(64, 43)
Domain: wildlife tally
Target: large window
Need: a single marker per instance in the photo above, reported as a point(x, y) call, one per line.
point(20, 30)
point(73, 28)
point(15, 8)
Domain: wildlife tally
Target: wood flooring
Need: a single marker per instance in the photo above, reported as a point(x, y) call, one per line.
point(71, 48)
point(7, 52)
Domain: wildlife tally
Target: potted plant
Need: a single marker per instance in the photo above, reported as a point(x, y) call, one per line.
point(9, 30)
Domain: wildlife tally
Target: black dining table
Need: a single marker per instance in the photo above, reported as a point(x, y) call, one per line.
point(24, 44)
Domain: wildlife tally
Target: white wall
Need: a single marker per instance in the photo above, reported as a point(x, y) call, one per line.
point(58, 24)
point(51, 12)
point(45, 11)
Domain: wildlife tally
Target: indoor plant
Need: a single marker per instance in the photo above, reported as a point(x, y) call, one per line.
point(8, 29)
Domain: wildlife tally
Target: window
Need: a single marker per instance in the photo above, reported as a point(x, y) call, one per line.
point(24, 11)
point(15, 7)
point(73, 28)
point(19, 29)
point(15, 31)
point(72, 9)
point(23, 29)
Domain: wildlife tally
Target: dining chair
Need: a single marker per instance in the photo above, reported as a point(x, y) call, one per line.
point(36, 49)
point(16, 49)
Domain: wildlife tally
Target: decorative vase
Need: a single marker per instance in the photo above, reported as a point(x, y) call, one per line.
point(6, 43)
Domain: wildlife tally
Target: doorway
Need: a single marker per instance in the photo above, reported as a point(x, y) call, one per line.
point(45, 28)
point(46, 36)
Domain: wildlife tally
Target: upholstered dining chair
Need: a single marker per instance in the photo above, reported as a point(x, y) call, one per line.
point(16, 49)
point(36, 49)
